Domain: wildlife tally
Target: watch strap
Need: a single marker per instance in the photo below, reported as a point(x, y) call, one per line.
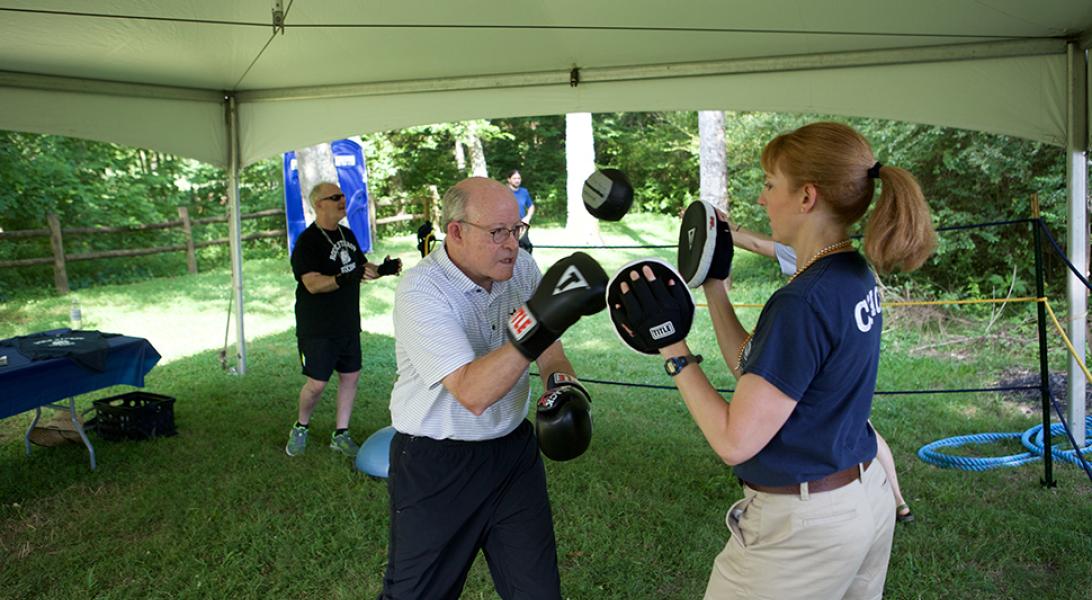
point(674, 365)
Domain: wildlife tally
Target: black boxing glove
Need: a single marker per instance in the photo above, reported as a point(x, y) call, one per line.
point(390, 266)
point(705, 245)
point(563, 423)
point(650, 314)
point(607, 194)
point(558, 379)
point(573, 287)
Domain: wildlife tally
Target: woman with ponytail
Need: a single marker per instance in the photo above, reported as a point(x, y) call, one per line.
point(817, 516)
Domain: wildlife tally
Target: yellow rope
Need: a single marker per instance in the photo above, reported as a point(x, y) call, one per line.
point(974, 301)
point(1065, 338)
point(1046, 303)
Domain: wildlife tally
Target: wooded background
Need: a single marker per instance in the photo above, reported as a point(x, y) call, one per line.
point(967, 177)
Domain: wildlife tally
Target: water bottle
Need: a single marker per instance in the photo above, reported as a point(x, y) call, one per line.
point(75, 316)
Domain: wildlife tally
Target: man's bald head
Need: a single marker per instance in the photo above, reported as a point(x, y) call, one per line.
point(473, 198)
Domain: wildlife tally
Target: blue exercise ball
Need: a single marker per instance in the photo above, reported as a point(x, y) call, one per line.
point(374, 457)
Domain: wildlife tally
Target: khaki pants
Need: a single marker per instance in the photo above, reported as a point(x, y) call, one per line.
point(821, 546)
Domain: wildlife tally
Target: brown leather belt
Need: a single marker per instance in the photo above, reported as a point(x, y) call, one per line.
point(826, 484)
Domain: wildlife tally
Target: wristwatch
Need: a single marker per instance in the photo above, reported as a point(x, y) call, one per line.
point(674, 365)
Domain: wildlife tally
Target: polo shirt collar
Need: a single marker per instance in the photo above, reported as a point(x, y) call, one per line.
point(459, 280)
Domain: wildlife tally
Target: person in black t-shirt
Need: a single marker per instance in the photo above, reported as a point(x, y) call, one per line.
point(818, 515)
point(329, 266)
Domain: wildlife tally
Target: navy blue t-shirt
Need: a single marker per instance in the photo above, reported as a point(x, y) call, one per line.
point(524, 199)
point(818, 341)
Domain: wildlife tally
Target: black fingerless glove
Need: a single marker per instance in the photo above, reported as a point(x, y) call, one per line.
point(350, 278)
point(390, 266)
point(658, 314)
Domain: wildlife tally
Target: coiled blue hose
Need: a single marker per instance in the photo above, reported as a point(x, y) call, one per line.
point(1032, 439)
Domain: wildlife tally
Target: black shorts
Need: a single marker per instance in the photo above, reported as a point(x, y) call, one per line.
point(320, 357)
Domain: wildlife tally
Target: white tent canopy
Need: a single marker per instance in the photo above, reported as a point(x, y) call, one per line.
point(155, 74)
point(214, 80)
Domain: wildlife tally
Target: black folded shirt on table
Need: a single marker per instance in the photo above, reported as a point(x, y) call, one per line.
point(86, 348)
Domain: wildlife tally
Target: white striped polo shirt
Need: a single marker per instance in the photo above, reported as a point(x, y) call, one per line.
point(442, 321)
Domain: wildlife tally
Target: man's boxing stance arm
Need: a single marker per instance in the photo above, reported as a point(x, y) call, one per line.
point(479, 384)
point(571, 288)
point(553, 360)
point(317, 283)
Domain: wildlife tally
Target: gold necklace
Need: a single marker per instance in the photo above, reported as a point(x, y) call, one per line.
point(831, 249)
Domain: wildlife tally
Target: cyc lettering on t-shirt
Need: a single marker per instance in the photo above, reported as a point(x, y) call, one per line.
point(866, 310)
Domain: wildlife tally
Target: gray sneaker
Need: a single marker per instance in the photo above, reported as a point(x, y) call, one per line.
point(297, 441)
point(344, 444)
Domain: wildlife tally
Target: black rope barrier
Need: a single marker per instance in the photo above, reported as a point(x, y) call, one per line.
point(858, 236)
point(1015, 388)
point(983, 225)
point(1061, 254)
point(1072, 440)
point(606, 247)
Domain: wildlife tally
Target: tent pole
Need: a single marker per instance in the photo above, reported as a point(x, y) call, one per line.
point(1077, 204)
point(235, 225)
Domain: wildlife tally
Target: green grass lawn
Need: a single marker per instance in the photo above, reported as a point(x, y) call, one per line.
point(219, 511)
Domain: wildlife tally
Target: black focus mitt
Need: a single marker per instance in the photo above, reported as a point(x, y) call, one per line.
point(651, 314)
point(705, 245)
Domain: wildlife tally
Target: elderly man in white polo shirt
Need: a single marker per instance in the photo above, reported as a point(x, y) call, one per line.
point(465, 470)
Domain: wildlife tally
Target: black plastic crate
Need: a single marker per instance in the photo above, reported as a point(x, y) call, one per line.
point(134, 416)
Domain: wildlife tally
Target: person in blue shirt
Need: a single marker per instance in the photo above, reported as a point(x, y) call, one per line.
point(818, 515)
point(786, 259)
point(526, 205)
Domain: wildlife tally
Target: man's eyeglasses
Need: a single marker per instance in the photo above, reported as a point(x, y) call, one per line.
point(500, 234)
point(335, 197)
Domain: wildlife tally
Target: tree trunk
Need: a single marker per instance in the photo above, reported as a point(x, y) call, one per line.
point(477, 152)
point(714, 164)
point(315, 165)
point(460, 156)
point(580, 226)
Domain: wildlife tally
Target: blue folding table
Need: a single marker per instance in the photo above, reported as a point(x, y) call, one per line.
point(27, 384)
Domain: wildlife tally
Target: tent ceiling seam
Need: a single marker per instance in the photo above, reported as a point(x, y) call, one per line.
point(522, 27)
point(895, 56)
point(977, 51)
point(15, 79)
